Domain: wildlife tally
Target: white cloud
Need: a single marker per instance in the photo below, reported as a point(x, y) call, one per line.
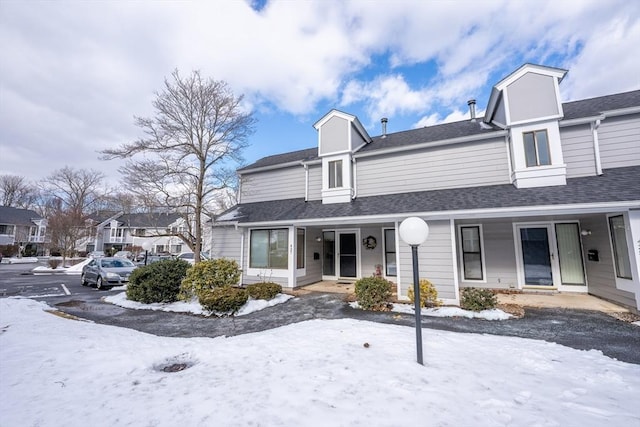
point(73, 74)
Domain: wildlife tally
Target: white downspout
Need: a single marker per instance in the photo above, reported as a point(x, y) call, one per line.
point(354, 192)
point(596, 146)
point(241, 252)
point(306, 181)
point(506, 140)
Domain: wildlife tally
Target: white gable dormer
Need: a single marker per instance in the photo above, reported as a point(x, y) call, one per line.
point(527, 103)
point(339, 136)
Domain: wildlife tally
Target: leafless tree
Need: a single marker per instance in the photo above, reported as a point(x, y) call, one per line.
point(16, 192)
point(79, 190)
point(198, 130)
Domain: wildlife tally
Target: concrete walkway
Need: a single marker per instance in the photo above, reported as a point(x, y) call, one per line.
point(574, 301)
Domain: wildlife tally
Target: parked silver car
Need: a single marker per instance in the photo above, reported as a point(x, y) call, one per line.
point(107, 272)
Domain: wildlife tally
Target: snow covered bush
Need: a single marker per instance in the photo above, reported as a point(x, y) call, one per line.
point(477, 299)
point(54, 263)
point(209, 274)
point(373, 293)
point(157, 282)
point(428, 294)
point(264, 290)
point(223, 299)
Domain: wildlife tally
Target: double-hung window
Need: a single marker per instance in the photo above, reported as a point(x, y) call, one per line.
point(471, 252)
point(390, 252)
point(536, 148)
point(335, 174)
point(619, 243)
point(269, 249)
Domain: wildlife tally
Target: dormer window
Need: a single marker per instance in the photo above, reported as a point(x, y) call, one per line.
point(536, 148)
point(335, 174)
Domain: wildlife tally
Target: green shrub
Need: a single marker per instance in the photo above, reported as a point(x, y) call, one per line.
point(477, 299)
point(428, 294)
point(264, 290)
point(157, 282)
point(209, 274)
point(373, 293)
point(223, 299)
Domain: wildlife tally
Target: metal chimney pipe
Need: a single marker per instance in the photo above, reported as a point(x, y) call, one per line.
point(384, 121)
point(472, 109)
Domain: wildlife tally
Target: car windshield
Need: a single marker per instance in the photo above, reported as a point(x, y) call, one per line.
point(116, 263)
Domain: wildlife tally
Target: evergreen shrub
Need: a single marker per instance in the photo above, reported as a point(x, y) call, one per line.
point(157, 282)
point(373, 293)
point(428, 294)
point(209, 274)
point(223, 299)
point(478, 299)
point(264, 290)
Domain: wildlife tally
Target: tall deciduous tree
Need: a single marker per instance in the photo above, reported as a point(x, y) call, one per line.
point(198, 129)
point(16, 192)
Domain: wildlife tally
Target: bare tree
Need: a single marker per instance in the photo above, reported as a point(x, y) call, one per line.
point(79, 190)
point(16, 192)
point(198, 129)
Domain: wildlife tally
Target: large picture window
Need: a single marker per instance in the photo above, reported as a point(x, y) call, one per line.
point(390, 252)
point(619, 243)
point(471, 252)
point(536, 148)
point(269, 249)
point(335, 174)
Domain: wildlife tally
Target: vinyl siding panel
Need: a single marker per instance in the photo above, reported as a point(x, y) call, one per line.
point(334, 136)
point(619, 139)
point(532, 96)
point(435, 261)
point(600, 274)
point(577, 150)
point(455, 166)
point(313, 267)
point(500, 259)
point(315, 182)
point(278, 184)
point(227, 242)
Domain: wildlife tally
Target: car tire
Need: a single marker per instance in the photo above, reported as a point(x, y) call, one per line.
point(83, 280)
point(99, 283)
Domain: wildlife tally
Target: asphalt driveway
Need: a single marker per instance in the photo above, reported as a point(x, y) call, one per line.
point(579, 329)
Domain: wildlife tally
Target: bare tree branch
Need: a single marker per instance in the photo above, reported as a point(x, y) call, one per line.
point(182, 160)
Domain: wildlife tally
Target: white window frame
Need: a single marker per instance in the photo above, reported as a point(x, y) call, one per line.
point(612, 244)
point(384, 251)
point(335, 171)
point(536, 146)
point(301, 271)
point(483, 265)
point(268, 271)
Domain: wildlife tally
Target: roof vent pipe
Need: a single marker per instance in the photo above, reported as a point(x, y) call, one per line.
point(472, 109)
point(384, 121)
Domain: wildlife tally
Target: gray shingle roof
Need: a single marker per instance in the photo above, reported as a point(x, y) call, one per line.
point(148, 220)
point(594, 106)
point(615, 185)
point(17, 216)
point(572, 110)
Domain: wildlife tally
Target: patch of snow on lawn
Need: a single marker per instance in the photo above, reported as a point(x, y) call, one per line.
point(61, 372)
point(194, 306)
point(495, 314)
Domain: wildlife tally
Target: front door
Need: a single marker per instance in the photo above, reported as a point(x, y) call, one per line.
point(347, 253)
point(550, 256)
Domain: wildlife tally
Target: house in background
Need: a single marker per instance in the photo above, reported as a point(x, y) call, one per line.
point(108, 231)
point(23, 228)
point(536, 195)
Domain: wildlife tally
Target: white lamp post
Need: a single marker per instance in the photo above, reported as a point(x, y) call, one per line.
point(414, 232)
point(146, 245)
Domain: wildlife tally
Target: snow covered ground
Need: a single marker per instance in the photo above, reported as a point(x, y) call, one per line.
point(60, 372)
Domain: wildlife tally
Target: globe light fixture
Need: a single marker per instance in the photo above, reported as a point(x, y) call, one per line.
point(414, 232)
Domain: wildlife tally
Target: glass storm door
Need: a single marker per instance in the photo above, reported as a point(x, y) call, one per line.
point(536, 256)
point(347, 254)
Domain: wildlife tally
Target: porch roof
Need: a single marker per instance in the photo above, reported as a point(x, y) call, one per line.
point(615, 185)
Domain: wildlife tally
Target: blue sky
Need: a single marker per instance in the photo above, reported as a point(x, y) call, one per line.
point(73, 74)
